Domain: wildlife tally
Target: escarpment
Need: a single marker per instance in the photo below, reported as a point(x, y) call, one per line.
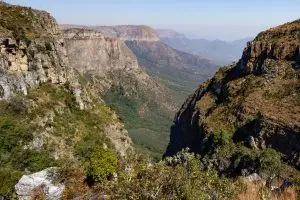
point(179, 70)
point(32, 51)
point(255, 101)
point(116, 74)
point(45, 110)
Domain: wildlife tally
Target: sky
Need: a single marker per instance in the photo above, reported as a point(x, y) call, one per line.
point(209, 19)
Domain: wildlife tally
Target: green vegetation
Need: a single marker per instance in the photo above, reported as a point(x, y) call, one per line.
point(51, 107)
point(9, 177)
point(150, 132)
point(15, 133)
point(179, 177)
point(102, 164)
point(231, 159)
point(18, 20)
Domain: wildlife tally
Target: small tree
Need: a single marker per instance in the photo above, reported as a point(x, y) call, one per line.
point(270, 161)
point(102, 164)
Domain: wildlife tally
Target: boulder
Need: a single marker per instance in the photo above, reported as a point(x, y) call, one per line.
point(41, 180)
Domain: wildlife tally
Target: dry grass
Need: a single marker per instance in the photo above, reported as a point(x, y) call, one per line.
point(257, 191)
point(38, 193)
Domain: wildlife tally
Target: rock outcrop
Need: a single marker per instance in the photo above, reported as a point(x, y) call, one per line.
point(42, 182)
point(33, 53)
point(111, 63)
point(256, 101)
point(116, 74)
point(30, 55)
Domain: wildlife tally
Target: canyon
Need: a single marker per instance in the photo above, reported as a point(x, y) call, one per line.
point(88, 112)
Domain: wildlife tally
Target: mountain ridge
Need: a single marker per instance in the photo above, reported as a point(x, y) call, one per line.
point(254, 101)
point(219, 51)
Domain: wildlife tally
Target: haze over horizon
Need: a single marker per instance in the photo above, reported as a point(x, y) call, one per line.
point(216, 19)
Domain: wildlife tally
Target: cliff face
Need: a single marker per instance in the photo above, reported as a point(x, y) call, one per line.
point(32, 51)
point(37, 80)
point(111, 62)
point(116, 75)
point(50, 114)
point(181, 71)
point(255, 101)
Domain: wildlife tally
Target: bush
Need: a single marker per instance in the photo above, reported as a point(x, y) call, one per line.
point(9, 178)
point(33, 160)
point(141, 179)
point(102, 164)
point(270, 161)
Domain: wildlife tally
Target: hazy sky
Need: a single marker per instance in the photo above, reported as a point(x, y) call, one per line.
point(211, 19)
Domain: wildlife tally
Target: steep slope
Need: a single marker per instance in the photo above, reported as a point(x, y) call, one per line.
point(255, 103)
point(220, 52)
point(46, 116)
point(142, 102)
point(179, 70)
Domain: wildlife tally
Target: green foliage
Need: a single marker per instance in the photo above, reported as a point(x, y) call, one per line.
point(12, 134)
point(150, 133)
point(9, 177)
point(102, 164)
point(48, 96)
point(32, 160)
point(221, 153)
point(85, 147)
point(185, 180)
point(14, 127)
point(18, 20)
point(270, 161)
point(81, 130)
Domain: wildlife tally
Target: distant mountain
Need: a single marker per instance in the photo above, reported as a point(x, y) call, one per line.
point(220, 52)
point(123, 32)
point(180, 70)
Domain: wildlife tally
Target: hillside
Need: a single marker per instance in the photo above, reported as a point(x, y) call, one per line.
point(47, 115)
point(180, 71)
point(66, 100)
point(143, 103)
point(140, 77)
point(247, 109)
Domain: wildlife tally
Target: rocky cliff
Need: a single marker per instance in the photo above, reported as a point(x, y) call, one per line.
point(180, 71)
point(47, 113)
point(115, 73)
point(32, 51)
point(113, 63)
point(254, 102)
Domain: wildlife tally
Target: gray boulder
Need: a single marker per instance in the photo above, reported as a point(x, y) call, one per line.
point(44, 180)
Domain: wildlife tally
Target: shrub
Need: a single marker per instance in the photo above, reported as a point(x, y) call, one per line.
point(32, 160)
point(102, 164)
point(9, 178)
point(270, 161)
point(142, 179)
